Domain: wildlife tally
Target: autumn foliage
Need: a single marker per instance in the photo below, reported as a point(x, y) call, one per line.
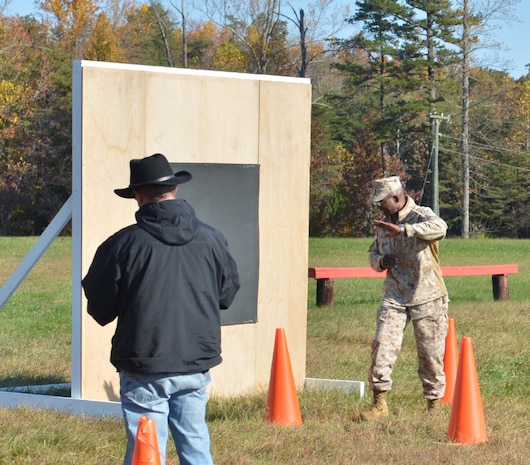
point(373, 94)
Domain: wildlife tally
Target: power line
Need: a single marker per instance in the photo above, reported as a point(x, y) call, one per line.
point(493, 162)
point(506, 165)
point(489, 147)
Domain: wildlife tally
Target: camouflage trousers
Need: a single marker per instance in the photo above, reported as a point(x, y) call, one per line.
point(430, 332)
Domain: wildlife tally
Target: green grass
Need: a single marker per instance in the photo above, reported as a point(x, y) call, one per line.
point(35, 349)
point(35, 341)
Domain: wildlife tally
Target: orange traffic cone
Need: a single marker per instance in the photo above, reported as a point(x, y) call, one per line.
point(282, 399)
point(450, 362)
point(146, 446)
point(467, 424)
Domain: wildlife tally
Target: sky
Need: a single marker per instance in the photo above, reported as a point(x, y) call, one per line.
point(512, 56)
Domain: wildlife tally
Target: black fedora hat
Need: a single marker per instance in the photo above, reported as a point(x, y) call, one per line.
point(154, 169)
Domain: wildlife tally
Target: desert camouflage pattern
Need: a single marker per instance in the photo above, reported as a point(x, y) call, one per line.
point(385, 187)
point(412, 291)
point(417, 278)
point(430, 332)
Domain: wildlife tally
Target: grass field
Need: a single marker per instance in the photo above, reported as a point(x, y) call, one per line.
point(35, 339)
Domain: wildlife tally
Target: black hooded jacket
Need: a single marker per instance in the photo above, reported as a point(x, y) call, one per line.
point(165, 279)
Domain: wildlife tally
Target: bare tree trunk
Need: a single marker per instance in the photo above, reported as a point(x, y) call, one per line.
point(465, 120)
point(382, 107)
point(181, 10)
point(3, 5)
point(184, 36)
point(432, 96)
point(303, 45)
point(260, 17)
point(162, 29)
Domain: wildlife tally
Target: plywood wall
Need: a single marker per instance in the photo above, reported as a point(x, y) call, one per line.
point(123, 112)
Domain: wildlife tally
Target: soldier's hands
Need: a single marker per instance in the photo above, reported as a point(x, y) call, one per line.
point(390, 261)
point(391, 228)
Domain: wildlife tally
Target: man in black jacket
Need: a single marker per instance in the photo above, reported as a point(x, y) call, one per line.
point(165, 279)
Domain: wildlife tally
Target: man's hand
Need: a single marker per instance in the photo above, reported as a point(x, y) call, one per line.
point(389, 261)
point(391, 228)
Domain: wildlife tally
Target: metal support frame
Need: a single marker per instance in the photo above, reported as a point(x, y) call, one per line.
point(58, 223)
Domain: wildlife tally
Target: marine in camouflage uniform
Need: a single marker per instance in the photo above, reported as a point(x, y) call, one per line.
point(406, 246)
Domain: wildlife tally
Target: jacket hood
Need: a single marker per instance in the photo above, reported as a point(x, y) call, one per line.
point(171, 221)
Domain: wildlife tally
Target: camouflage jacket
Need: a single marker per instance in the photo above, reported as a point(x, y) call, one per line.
point(418, 278)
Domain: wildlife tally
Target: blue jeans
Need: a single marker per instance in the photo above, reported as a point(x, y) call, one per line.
point(173, 400)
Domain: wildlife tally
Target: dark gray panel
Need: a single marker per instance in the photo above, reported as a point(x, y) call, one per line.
point(225, 196)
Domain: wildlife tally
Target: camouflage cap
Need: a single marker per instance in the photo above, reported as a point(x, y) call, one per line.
point(385, 187)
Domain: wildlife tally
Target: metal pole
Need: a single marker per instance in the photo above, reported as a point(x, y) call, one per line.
point(435, 188)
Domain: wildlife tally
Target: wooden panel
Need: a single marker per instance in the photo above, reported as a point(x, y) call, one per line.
point(201, 117)
point(284, 221)
point(113, 131)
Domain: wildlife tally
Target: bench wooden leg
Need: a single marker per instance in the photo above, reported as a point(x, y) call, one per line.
point(500, 287)
point(325, 292)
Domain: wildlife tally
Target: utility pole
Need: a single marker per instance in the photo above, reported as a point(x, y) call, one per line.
point(435, 184)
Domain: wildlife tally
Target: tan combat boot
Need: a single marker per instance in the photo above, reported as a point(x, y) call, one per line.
point(378, 409)
point(433, 404)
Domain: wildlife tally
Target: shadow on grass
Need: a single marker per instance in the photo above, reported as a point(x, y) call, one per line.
point(49, 385)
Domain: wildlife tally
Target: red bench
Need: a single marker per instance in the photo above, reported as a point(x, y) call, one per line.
point(325, 277)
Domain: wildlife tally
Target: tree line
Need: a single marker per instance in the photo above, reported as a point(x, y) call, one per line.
point(398, 89)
